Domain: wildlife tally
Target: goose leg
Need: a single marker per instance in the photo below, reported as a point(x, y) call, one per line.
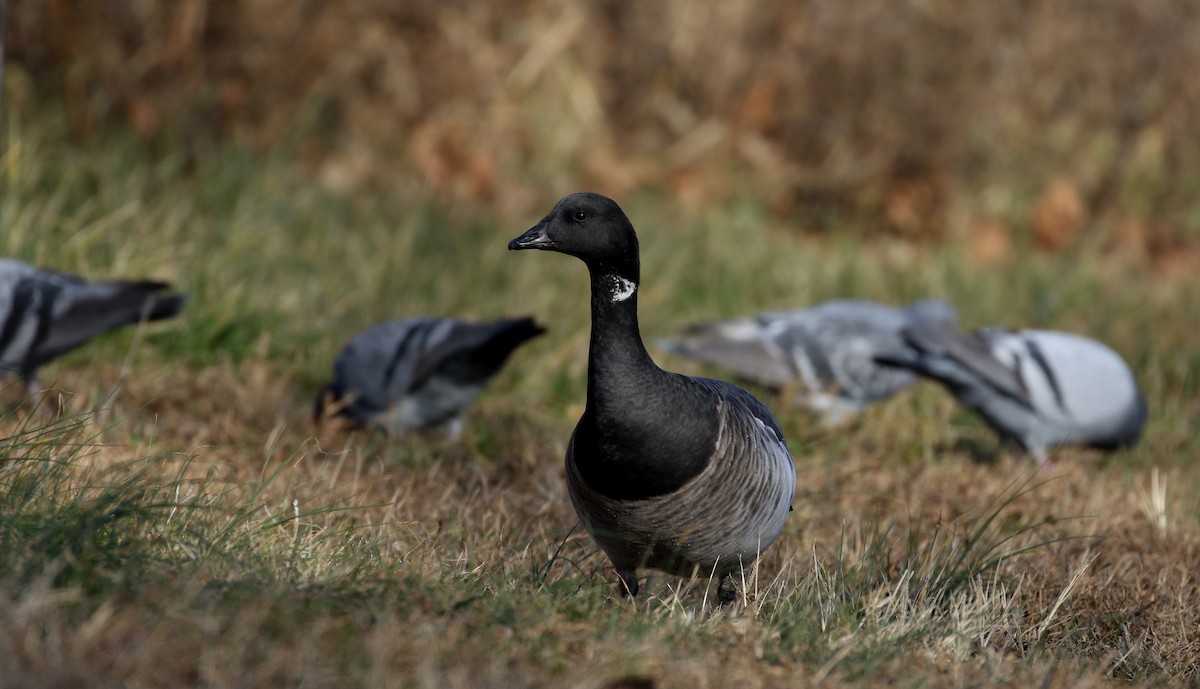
point(726, 590)
point(627, 582)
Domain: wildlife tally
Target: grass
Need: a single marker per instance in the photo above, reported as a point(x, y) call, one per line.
point(185, 525)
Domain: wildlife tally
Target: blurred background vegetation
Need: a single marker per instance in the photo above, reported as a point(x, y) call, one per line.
point(305, 169)
point(1055, 124)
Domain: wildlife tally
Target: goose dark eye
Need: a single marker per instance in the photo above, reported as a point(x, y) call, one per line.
point(580, 216)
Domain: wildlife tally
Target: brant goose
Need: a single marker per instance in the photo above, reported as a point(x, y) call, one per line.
point(419, 373)
point(827, 351)
point(1035, 387)
point(686, 475)
point(44, 314)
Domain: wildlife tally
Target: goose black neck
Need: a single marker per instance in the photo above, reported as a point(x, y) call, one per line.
point(645, 432)
point(616, 352)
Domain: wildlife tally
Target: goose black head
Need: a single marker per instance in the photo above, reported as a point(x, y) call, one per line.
point(592, 228)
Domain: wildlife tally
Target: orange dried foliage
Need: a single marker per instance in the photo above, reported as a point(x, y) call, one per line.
point(1059, 217)
point(990, 241)
point(483, 101)
point(913, 208)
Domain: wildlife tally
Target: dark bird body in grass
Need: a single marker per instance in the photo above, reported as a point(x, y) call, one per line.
point(826, 353)
point(1037, 388)
point(420, 373)
point(44, 314)
point(686, 475)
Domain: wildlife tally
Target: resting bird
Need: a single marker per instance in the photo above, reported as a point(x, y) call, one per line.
point(686, 475)
point(1036, 387)
point(828, 351)
point(420, 373)
point(44, 314)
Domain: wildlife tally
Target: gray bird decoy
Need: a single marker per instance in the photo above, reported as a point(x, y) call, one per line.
point(686, 475)
point(420, 373)
point(1038, 388)
point(45, 314)
point(826, 352)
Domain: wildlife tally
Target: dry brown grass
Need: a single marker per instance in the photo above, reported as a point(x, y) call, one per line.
point(489, 515)
point(231, 561)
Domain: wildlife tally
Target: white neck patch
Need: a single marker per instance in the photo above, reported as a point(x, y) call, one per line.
point(620, 288)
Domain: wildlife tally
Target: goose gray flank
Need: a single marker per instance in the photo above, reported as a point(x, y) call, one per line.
point(686, 475)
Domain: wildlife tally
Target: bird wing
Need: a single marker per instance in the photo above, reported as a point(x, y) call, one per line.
point(744, 403)
point(834, 346)
point(377, 365)
point(973, 353)
point(26, 310)
point(743, 346)
point(470, 353)
point(84, 310)
point(1070, 375)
